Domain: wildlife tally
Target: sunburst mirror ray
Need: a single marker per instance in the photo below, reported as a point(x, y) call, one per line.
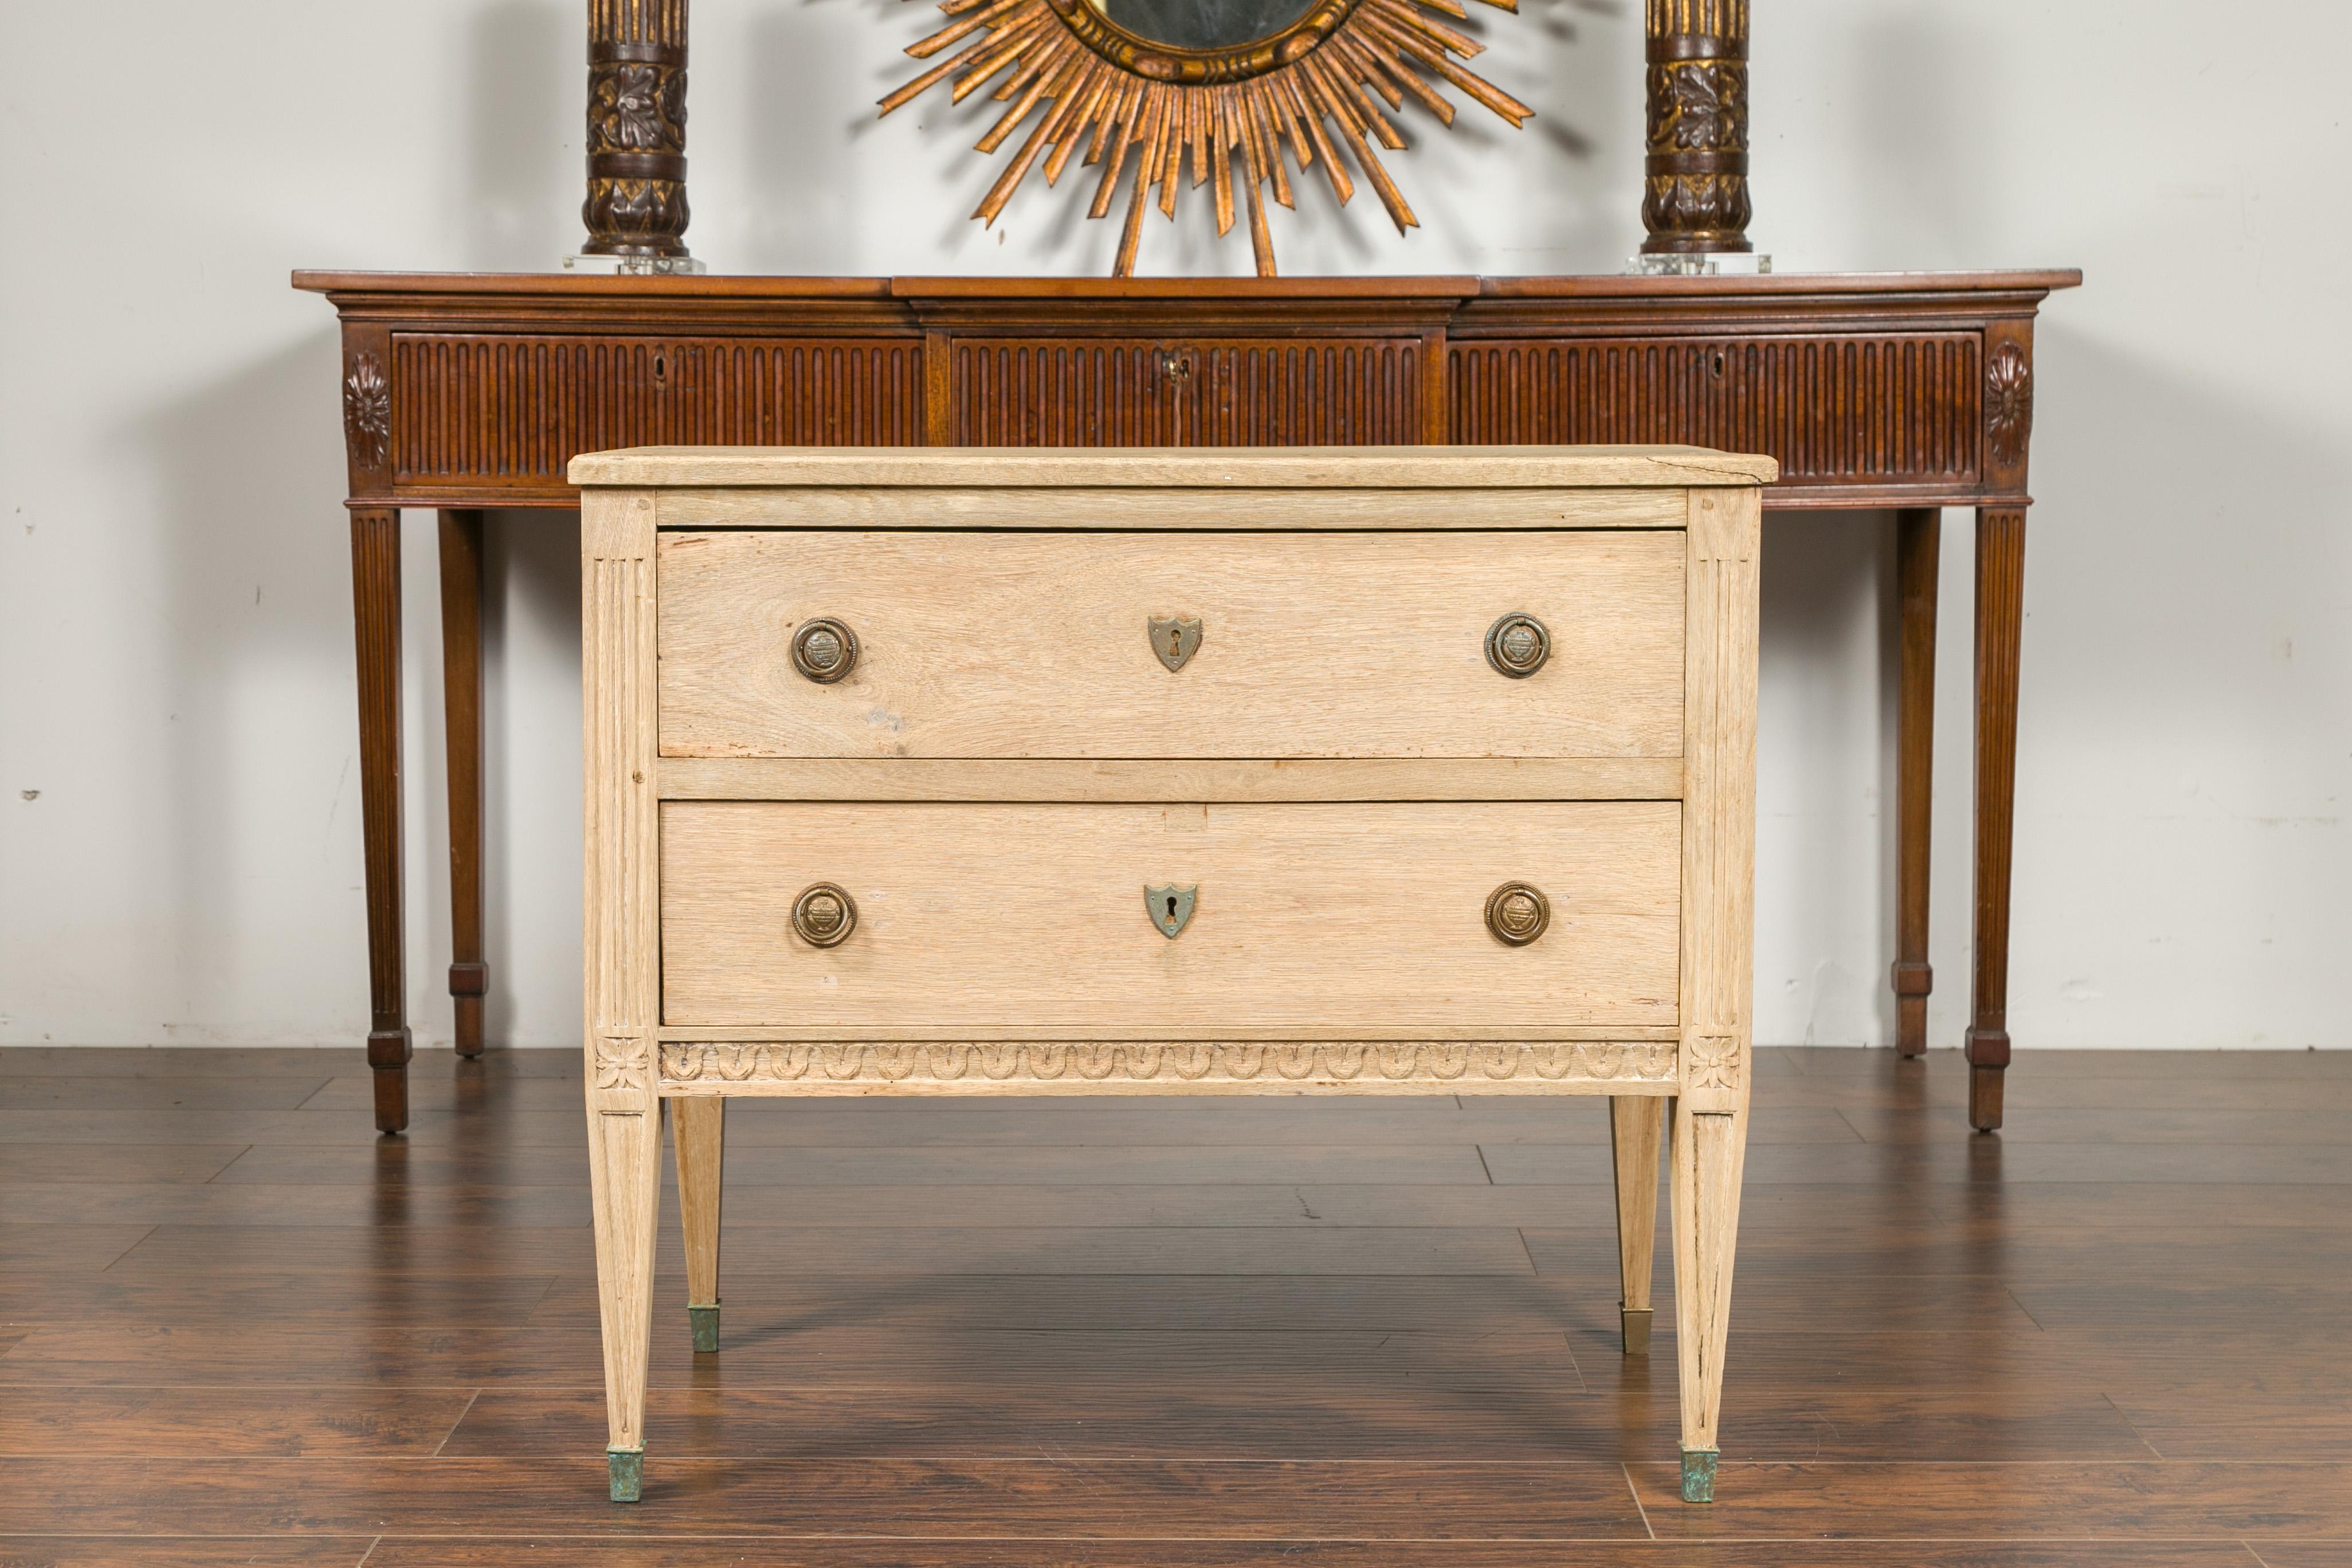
point(1154, 85)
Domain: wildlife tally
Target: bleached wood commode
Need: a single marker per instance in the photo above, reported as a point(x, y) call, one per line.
point(1341, 770)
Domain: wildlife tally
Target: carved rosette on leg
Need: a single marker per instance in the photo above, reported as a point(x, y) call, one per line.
point(1695, 198)
point(636, 128)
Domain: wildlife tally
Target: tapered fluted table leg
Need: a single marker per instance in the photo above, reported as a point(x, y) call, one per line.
point(2001, 620)
point(375, 606)
point(1918, 536)
point(461, 686)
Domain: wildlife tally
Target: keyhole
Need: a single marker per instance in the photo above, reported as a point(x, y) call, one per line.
point(1175, 643)
point(1719, 363)
point(661, 366)
point(1171, 910)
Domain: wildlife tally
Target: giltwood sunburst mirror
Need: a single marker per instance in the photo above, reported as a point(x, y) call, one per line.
point(1140, 84)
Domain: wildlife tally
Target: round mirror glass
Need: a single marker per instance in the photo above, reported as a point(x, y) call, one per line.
point(1204, 24)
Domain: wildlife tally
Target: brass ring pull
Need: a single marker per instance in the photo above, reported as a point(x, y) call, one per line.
point(1518, 645)
point(825, 649)
point(1517, 912)
point(824, 915)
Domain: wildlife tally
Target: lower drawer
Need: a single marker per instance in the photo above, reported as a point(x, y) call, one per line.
point(1306, 921)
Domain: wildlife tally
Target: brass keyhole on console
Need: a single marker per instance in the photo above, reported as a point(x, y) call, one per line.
point(661, 366)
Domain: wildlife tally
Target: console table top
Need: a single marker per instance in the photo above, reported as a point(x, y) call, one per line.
point(1453, 287)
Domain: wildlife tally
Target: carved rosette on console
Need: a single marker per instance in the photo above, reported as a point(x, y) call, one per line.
point(2009, 404)
point(636, 128)
point(367, 412)
point(1695, 198)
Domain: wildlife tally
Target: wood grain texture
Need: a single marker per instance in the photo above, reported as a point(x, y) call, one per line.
point(1636, 1133)
point(2000, 634)
point(1844, 412)
point(1170, 780)
point(1918, 541)
point(1718, 941)
point(461, 706)
point(1186, 392)
point(1718, 849)
point(375, 620)
point(620, 940)
point(1037, 645)
point(1222, 507)
point(1326, 922)
point(699, 1129)
point(505, 412)
point(470, 390)
point(1294, 1553)
point(1349, 468)
point(1030, 1305)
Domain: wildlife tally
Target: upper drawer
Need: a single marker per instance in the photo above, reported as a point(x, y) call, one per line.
point(1037, 645)
point(1835, 408)
point(511, 410)
point(1186, 392)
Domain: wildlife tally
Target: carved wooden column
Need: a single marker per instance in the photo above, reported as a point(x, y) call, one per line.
point(637, 129)
point(1695, 196)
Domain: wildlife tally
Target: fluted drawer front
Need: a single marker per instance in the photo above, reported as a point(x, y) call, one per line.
point(1060, 644)
point(1304, 921)
point(1836, 410)
point(511, 411)
point(1186, 392)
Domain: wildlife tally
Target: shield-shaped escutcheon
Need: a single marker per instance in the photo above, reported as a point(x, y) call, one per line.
point(1175, 640)
point(1169, 907)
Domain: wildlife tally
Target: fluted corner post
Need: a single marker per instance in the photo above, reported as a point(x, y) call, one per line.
point(1695, 198)
point(637, 129)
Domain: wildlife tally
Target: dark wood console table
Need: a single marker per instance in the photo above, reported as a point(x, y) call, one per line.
point(1911, 391)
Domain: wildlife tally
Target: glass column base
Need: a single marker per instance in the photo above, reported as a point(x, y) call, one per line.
point(635, 266)
point(1701, 264)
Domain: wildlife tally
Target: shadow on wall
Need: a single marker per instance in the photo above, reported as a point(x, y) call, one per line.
point(2186, 696)
point(248, 475)
point(532, 749)
point(524, 136)
point(1825, 859)
point(263, 876)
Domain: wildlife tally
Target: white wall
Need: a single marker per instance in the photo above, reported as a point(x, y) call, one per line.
point(176, 662)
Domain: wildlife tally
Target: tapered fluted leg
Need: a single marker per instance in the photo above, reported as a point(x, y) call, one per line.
point(1707, 1153)
point(699, 1128)
point(1635, 1123)
point(625, 1170)
point(2001, 624)
point(622, 893)
point(1918, 536)
point(375, 607)
point(461, 686)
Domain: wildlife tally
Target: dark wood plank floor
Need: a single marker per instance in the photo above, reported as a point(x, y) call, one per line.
point(237, 1328)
